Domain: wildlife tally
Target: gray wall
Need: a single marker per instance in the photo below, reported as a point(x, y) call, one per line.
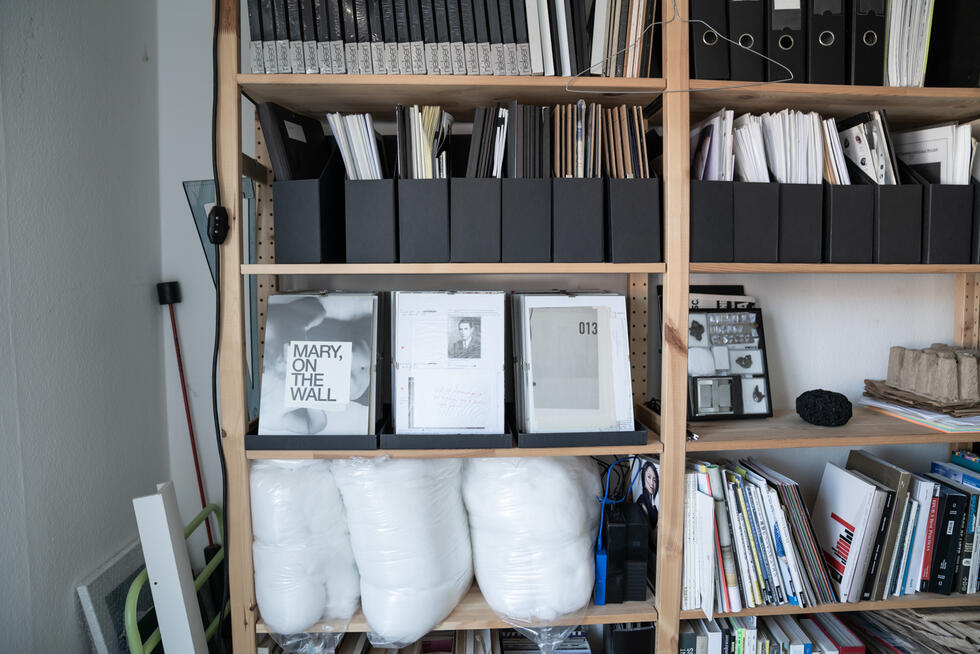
point(82, 427)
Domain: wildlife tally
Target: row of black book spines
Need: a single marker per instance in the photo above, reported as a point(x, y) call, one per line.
point(441, 37)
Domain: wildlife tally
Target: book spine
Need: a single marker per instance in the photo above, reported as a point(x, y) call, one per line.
point(956, 474)
point(931, 532)
point(351, 59)
point(483, 51)
point(376, 36)
point(256, 54)
point(506, 12)
point(269, 46)
point(429, 34)
point(965, 572)
point(947, 547)
point(879, 543)
point(416, 38)
point(521, 39)
point(364, 62)
point(282, 36)
point(468, 21)
point(392, 61)
point(294, 17)
point(496, 40)
point(335, 37)
point(457, 50)
point(324, 61)
point(755, 547)
point(310, 57)
point(442, 38)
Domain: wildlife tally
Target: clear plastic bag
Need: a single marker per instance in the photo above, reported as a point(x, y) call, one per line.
point(304, 566)
point(411, 541)
point(533, 524)
point(317, 643)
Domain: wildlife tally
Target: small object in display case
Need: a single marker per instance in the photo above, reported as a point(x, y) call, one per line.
point(727, 368)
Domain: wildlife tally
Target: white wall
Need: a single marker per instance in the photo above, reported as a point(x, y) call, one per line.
point(81, 420)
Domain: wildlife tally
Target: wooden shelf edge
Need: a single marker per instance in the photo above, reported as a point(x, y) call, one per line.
point(750, 88)
point(786, 430)
point(866, 268)
point(451, 268)
point(472, 612)
point(917, 601)
point(605, 84)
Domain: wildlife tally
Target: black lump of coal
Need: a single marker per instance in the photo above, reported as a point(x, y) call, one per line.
point(824, 408)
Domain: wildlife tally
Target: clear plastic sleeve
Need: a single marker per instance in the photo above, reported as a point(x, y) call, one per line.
point(533, 525)
point(304, 566)
point(318, 643)
point(411, 541)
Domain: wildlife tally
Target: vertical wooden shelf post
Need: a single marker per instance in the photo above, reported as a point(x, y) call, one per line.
point(232, 353)
point(670, 526)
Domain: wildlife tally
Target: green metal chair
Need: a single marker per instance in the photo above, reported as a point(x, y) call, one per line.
point(136, 643)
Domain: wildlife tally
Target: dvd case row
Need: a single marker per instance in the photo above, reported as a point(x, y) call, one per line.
point(447, 363)
point(612, 38)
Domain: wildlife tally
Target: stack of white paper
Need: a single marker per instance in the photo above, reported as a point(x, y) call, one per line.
point(942, 154)
point(835, 165)
point(448, 356)
point(750, 150)
point(318, 373)
point(794, 146)
point(717, 132)
point(907, 42)
point(358, 144)
point(571, 363)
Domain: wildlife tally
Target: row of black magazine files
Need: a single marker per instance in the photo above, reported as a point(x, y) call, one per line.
point(460, 220)
point(814, 223)
point(824, 41)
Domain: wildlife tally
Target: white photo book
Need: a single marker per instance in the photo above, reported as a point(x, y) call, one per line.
point(319, 367)
point(448, 360)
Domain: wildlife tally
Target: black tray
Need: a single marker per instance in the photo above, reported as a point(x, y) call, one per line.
point(311, 442)
point(582, 439)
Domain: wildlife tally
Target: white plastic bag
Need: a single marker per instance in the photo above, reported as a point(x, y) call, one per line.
point(533, 524)
point(304, 566)
point(411, 542)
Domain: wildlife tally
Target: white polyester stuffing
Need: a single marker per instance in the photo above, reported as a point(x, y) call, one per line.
point(533, 524)
point(304, 566)
point(411, 542)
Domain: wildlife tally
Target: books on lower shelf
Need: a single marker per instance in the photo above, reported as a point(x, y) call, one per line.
point(472, 641)
point(899, 631)
point(611, 38)
point(876, 531)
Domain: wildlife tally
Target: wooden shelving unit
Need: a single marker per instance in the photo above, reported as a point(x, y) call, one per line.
point(683, 100)
point(472, 612)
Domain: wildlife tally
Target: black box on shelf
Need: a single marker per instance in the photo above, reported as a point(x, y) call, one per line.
point(309, 220)
point(445, 441)
point(582, 439)
point(628, 638)
point(947, 223)
point(312, 442)
point(525, 207)
point(755, 222)
point(712, 221)
point(848, 223)
point(474, 220)
point(898, 223)
point(423, 220)
point(633, 224)
point(800, 223)
point(371, 224)
point(975, 250)
point(577, 220)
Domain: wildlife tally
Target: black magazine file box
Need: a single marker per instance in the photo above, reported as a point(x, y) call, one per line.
point(947, 223)
point(577, 220)
point(371, 221)
point(474, 219)
point(308, 217)
point(755, 222)
point(848, 224)
point(633, 222)
point(712, 215)
point(800, 223)
point(898, 223)
point(975, 250)
point(423, 220)
point(525, 208)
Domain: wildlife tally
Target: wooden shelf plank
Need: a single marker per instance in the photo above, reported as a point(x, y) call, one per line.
point(917, 601)
point(653, 446)
point(472, 612)
point(451, 268)
point(875, 268)
point(458, 94)
point(787, 430)
point(905, 106)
